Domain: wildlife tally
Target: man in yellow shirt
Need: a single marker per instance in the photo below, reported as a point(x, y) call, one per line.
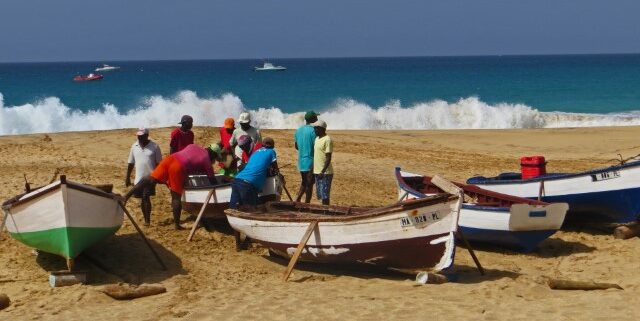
point(322, 169)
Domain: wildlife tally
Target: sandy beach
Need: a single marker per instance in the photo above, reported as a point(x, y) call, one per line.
point(208, 280)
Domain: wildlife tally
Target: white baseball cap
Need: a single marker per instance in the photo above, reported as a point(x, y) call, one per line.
point(320, 123)
point(244, 118)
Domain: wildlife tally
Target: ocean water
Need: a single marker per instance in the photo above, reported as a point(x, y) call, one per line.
point(350, 93)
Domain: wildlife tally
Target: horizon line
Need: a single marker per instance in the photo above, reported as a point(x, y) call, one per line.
point(312, 58)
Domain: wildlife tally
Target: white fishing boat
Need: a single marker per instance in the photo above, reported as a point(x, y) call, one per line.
point(267, 66)
point(63, 218)
point(413, 234)
point(494, 218)
point(198, 187)
point(106, 67)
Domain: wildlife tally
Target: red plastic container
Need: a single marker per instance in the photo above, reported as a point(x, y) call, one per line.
point(532, 166)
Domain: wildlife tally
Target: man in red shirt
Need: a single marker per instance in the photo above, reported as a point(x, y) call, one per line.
point(183, 136)
point(174, 169)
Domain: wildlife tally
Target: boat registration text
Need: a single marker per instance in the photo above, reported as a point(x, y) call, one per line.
point(604, 176)
point(419, 220)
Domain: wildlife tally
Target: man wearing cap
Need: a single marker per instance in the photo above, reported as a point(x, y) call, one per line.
point(174, 169)
point(183, 136)
point(322, 168)
point(145, 155)
point(304, 139)
point(245, 129)
point(248, 147)
point(249, 181)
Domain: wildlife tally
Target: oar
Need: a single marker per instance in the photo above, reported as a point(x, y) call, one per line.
point(451, 188)
point(195, 225)
point(144, 238)
point(296, 255)
point(284, 186)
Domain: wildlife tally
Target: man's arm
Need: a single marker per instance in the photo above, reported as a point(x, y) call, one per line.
point(127, 179)
point(327, 162)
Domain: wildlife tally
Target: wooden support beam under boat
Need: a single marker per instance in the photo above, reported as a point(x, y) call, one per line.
point(296, 255)
point(212, 193)
point(451, 188)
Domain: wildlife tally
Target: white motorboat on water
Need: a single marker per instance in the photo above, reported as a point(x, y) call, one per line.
point(267, 66)
point(106, 67)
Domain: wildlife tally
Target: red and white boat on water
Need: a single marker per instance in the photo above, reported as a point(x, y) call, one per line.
point(88, 77)
point(412, 234)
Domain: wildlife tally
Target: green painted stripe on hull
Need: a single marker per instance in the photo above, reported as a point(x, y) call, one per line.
point(67, 242)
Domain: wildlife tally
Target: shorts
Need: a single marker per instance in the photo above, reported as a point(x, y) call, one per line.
point(148, 190)
point(310, 180)
point(243, 193)
point(170, 172)
point(323, 186)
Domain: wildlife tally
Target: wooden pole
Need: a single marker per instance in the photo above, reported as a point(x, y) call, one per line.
point(556, 284)
point(144, 238)
point(541, 191)
point(195, 224)
point(284, 186)
point(451, 188)
point(296, 255)
point(4, 221)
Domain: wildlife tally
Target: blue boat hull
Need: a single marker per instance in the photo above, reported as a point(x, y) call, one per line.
point(621, 206)
point(521, 241)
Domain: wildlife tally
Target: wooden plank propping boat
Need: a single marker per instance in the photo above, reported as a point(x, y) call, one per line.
point(490, 217)
point(63, 218)
point(413, 234)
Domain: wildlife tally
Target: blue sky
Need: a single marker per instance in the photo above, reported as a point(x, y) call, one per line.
point(71, 30)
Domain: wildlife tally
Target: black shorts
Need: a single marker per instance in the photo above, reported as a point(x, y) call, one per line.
point(149, 190)
point(306, 175)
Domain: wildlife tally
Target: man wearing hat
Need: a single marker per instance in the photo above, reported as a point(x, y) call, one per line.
point(145, 155)
point(174, 169)
point(228, 164)
point(245, 129)
point(183, 136)
point(249, 181)
point(322, 168)
point(304, 139)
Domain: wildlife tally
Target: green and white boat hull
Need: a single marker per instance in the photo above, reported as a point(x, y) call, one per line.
point(63, 218)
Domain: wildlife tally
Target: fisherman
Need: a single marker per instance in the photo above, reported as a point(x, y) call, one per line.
point(304, 139)
point(248, 147)
point(183, 136)
point(249, 181)
point(245, 129)
point(322, 168)
point(174, 170)
point(227, 165)
point(145, 155)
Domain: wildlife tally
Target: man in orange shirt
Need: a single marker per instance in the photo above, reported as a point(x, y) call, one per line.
point(173, 171)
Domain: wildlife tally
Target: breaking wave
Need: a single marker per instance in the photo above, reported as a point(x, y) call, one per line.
point(52, 115)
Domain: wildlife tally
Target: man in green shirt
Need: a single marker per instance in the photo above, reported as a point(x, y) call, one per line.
point(322, 168)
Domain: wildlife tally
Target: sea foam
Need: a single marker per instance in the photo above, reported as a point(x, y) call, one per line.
point(52, 115)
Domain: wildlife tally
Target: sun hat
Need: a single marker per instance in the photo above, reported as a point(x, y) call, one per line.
point(320, 123)
point(229, 123)
point(244, 140)
point(310, 114)
point(142, 131)
point(186, 119)
point(244, 118)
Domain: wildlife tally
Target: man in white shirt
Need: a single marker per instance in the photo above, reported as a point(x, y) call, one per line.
point(245, 129)
point(145, 155)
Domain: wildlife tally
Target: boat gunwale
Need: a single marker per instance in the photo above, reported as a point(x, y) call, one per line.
point(551, 176)
point(77, 186)
point(470, 188)
point(295, 216)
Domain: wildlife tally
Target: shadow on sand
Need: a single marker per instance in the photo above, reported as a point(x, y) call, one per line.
point(457, 273)
point(119, 258)
point(551, 247)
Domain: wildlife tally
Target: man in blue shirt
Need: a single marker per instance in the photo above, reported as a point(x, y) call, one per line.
point(304, 139)
point(248, 182)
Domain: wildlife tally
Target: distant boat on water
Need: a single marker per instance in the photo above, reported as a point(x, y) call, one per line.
point(267, 66)
point(88, 77)
point(106, 67)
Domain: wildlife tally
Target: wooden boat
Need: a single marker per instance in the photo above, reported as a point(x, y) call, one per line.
point(406, 235)
point(197, 189)
point(63, 218)
point(610, 194)
point(513, 222)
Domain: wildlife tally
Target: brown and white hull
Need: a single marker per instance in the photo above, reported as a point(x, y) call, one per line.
point(418, 236)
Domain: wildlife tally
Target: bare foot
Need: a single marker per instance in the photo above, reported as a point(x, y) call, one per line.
point(179, 227)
